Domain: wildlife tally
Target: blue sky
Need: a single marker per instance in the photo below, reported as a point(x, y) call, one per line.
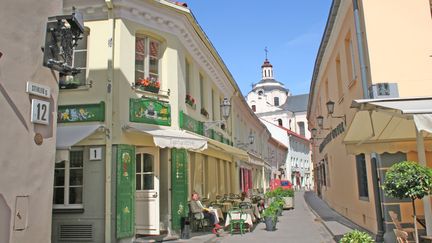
point(240, 30)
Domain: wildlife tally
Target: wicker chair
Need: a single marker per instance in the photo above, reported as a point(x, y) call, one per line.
point(398, 226)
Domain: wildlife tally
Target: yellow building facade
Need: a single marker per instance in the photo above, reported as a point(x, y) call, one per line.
point(370, 49)
point(144, 125)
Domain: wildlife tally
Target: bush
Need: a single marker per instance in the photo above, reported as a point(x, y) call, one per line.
point(279, 192)
point(356, 237)
point(270, 212)
point(408, 179)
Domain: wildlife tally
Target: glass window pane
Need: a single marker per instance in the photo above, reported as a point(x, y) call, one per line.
point(59, 177)
point(80, 59)
point(58, 195)
point(75, 195)
point(82, 44)
point(139, 62)
point(153, 65)
point(60, 164)
point(148, 182)
point(76, 177)
point(148, 163)
point(138, 182)
point(79, 78)
point(154, 49)
point(139, 75)
point(140, 45)
point(138, 163)
point(76, 159)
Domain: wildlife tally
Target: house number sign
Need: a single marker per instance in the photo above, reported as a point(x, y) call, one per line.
point(40, 112)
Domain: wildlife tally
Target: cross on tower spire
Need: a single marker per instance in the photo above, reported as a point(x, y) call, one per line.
point(266, 51)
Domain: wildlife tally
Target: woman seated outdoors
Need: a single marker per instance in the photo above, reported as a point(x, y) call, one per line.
point(253, 211)
point(197, 207)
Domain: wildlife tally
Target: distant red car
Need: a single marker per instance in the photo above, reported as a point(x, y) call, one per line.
point(285, 184)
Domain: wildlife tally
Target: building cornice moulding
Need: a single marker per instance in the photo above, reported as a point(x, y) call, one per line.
point(173, 21)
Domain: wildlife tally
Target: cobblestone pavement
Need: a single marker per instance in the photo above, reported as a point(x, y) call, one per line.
point(299, 225)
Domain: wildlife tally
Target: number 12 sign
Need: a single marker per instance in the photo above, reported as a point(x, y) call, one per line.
point(40, 111)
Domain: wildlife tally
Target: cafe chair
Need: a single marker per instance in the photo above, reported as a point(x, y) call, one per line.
point(401, 236)
point(237, 222)
point(398, 226)
point(245, 205)
point(197, 220)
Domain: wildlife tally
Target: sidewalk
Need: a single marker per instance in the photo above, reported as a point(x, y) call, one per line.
point(335, 223)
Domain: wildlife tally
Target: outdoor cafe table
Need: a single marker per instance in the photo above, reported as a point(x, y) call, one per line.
point(246, 216)
point(217, 212)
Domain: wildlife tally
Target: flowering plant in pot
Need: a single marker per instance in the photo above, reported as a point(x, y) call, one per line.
point(148, 84)
point(190, 101)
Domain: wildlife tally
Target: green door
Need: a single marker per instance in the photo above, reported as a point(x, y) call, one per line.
point(179, 186)
point(125, 200)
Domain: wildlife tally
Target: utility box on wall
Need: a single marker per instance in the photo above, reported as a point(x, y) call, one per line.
point(21, 213)
point(383, 90)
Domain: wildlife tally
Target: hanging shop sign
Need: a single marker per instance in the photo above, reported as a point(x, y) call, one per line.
point(150, 111)
point(81, 113)
point(332, 135)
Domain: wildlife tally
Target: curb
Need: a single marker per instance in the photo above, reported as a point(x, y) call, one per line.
point(318, 218)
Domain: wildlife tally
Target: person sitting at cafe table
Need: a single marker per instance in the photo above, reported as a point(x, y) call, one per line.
point(254, 210)
point(197, 207)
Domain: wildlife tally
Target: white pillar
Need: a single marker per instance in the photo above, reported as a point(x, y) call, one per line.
point(426, 200)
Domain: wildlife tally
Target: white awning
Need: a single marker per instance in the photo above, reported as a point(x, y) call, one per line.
point(67, 136)
point(236, 152)
point(170, 138)
point(389, 125)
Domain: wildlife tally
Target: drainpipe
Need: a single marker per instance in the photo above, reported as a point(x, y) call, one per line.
point(374, 157)
point(108, 124)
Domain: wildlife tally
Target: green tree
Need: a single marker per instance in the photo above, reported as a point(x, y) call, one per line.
point(408, 179)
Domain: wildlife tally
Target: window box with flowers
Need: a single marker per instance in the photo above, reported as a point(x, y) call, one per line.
point(190, 101)
point(148, 84)
point(204, 112)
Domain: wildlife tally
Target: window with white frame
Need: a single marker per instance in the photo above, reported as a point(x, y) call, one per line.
point(147, 56)
point(79, 61)
point(68, 181)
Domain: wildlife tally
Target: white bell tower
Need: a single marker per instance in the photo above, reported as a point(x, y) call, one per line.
point(267, 68)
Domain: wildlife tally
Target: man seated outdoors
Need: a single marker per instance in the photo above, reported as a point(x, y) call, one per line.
point(197, 207)
point(254, 212)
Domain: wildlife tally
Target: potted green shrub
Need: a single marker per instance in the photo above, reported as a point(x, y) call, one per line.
point(288, 196)
point(279, 203)
point(270, 217)
point(408, 179)
point(356, 237)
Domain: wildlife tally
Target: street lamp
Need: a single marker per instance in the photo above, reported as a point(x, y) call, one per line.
point(330, 109)
point(226, 110)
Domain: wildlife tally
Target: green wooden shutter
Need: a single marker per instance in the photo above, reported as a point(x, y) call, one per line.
point(179, 186)
point(125, 200)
